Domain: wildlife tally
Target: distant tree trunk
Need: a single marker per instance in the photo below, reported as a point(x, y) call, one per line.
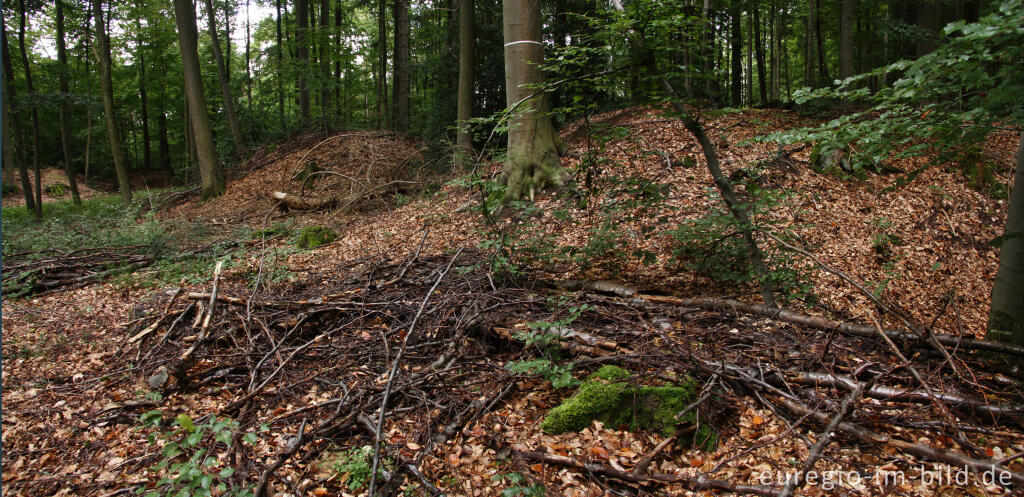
point(88, 100)
point(12, 125)
point(846, 13)
point(533, 145)
point(401, 79)
point(164, 148)
point(1006, 317)
point(929, 19)
point(338, 82)
point(464, 138)
point(65, 106)
point(227, 40)
point(809, 46)
point(736, 40)
point(325, 64)
point(708, 53)
point(302, 54)
point(280, 69)
point(102, 49)
point(248, 62)
point(382, 62)
point(143, 100)
point(762, 83)
point(822, 66)
point(776, 52)
point(225, 82)
point(211, 176)
point(8, 149)
point(749, 79)
point(34, 113)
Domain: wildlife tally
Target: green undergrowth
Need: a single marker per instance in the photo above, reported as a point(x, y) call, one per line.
point(314, 236)
point(607, 396)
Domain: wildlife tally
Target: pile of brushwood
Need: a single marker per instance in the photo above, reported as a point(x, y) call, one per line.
point(422, 343)
point(51, 270)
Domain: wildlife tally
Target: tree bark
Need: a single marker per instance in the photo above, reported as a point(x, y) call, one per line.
point(822, 66)
point(302, 55)
point(280, 68)
point(15, 123)
point(143, 100)
point(708, 53)
point(34, 113)
point(401, 78)
point(1006, 317)
point(65, 107)
point(736, 41)
point(382, 62)
point(464, 138)
point(533, 145)
point(776, 53)
point(325, 65)
point(225, 82)
point(211, 176)
point(248, 61)
point(102, 49)
point(164, 147)
point(759, 49)
point(846, 13)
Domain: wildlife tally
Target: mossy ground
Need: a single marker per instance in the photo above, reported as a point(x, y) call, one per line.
point(606, 397)
point(315, 236)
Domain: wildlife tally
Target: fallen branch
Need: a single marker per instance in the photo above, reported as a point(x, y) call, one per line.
point(694, 483)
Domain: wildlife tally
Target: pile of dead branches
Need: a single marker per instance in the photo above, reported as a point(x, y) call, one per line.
point(352, 169)
point(421, 344)
point(50, 270)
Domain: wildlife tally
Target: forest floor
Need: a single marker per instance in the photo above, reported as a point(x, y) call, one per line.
point(118, 361)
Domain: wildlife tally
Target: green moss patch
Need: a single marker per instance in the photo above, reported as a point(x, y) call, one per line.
point(315, 236)
point(605, 396)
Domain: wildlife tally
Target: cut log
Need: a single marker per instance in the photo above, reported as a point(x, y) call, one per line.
point(304, 203)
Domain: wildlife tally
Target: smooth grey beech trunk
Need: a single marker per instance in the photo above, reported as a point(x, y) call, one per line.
point(1006, 317)
point(102, 53)
point(533, 145)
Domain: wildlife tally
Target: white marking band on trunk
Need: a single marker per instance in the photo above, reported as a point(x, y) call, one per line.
point(523, 41)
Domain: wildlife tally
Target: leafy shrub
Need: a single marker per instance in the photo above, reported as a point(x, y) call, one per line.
point(56, 190)
point(190, 464)
point(354, 466)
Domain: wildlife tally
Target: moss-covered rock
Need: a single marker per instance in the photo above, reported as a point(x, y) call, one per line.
point(606, 397)
point(315, 236)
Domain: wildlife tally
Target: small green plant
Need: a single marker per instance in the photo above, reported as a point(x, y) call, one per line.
point(56, 190)
point(353, 466)
point(192, 462)
point(519, 486)
point(10, 189)
point(314, 236)
point(401, 200)
point(545, 335)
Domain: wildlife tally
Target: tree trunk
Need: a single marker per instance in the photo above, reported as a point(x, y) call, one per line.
point(164, 148)
point(401, 78)
point(143, 101)
point(736, 40)
point(325, 65)
point(464, 137)
point(15, 123)
point(809, 46)
point(749, 79)
point(776, 54)
point(708, 53)
point(302, 55)
point(533, 145)
point(225, 82)
point(8, 149)
point(382, 62)
point(65, 107)
point(280, 69)
point(34, 113)
point(102, 52)
point(211, 176)
point(88, 100)
point(249, 75)
point(820, 40)
point(846, 13)
point(762, 84)
point(1006, 317)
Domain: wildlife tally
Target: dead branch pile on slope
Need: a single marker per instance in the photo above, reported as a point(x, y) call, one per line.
point(345, 171)
point(431, 336)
